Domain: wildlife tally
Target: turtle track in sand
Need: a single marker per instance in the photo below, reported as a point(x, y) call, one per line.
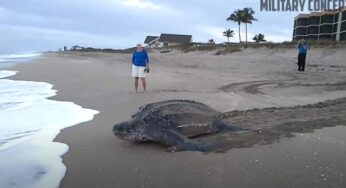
point(256, 87)
point(268, 125)
point(252, 87)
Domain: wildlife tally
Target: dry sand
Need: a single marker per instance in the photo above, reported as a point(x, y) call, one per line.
point(252, 78)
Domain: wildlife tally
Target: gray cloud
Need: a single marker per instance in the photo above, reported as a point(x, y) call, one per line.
point(36, 25)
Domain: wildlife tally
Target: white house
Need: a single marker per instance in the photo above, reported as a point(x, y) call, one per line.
point(152, 41)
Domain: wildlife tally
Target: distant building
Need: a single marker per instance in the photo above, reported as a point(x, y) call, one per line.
point(327, 25)
point(167, 40)
point(173, 39)
point(151, 41)
point(76, 47)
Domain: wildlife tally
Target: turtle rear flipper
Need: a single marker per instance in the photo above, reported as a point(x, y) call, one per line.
point(220, 125)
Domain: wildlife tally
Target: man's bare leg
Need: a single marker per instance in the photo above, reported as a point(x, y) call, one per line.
point(144, 83)
point(136, 84)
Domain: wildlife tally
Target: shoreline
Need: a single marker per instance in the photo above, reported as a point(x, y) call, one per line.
point(102, 82)
point(42, 120)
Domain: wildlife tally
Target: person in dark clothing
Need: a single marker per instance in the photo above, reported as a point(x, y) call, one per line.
point(302, 51)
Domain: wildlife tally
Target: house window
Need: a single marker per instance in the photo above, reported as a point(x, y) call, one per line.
point(302, 22)
point(326, 29)
point(314, 20)
point(313, 29)
point(343, 36)
point(343, 27)
point(335, 28)
point(301, 31)
point(336, 17)
point(327, 19)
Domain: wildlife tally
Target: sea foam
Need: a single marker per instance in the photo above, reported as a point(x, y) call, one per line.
point(29, 122)
point(19, 57)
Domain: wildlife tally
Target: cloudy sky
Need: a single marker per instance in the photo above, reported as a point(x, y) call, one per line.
point(38, 25)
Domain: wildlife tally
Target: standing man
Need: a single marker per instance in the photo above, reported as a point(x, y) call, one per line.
point(140, 66)
point(302, 51)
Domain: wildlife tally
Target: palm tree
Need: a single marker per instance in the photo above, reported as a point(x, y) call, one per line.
point(237, 16)
point(247, 18)
point(211, 41)
point(259, 38)
point(228, 33)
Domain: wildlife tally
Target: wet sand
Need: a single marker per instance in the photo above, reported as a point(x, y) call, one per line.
point(253, 78)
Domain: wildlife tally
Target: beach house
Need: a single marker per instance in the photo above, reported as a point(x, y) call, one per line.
point(167, 40)
point(326, 25)
point(151, 41)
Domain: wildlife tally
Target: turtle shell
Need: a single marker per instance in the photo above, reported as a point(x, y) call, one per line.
point(188, 118)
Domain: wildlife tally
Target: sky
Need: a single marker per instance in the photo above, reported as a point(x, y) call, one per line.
point(41, 25)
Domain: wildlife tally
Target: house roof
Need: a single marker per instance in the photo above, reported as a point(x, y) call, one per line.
point(315, 14)
point(150, 39)
point(329, 12)
point(183, 39)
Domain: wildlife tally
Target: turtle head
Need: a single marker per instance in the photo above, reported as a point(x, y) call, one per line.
point(138, 127)
point(132, 130)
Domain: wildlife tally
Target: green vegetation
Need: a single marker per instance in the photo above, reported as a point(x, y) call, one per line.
point(222, 49)
point(259, 38)
point(246, 16)
point(237, 17)
point(228, 33)
point(211, 42)
point(228, 50)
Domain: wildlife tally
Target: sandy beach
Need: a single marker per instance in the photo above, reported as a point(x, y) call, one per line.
point(252, 78)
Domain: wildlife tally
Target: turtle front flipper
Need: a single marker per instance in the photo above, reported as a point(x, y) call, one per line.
point(179, 142)
point(193, 146)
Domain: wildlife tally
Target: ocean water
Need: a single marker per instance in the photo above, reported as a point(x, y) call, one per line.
point(7, 60)
point(29, 122)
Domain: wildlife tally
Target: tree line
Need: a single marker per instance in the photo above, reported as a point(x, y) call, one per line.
point(243, 16)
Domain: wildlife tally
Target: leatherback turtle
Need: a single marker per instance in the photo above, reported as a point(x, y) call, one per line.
point(174, 123)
